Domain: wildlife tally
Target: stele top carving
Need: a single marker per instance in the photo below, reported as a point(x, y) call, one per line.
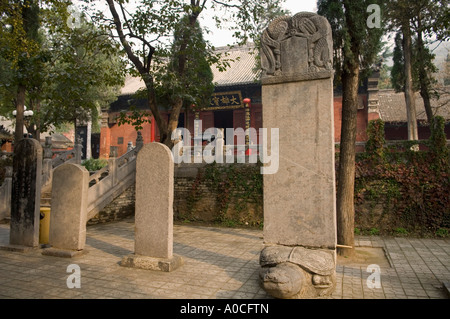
point(296, 48)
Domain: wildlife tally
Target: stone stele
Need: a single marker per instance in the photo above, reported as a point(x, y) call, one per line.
point(67, 234)
point(299, 199)
point(153, 248)
point(26, 194)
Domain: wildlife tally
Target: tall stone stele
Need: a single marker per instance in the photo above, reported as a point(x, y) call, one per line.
point(299, 260)
point(26, 193)
point(153, 242)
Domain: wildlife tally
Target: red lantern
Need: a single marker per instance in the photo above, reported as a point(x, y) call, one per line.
point(247, 102)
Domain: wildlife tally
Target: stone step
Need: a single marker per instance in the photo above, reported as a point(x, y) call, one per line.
point(46, 198)
point(46, 202)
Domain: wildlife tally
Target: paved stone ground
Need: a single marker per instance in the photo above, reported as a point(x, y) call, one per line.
point(220, 263)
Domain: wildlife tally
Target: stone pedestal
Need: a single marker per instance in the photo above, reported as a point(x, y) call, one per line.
point(299, 199)
point(152, 263)
point(153, 244)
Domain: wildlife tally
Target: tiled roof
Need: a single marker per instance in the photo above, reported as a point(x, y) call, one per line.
point(392, 106)
point(241, 70)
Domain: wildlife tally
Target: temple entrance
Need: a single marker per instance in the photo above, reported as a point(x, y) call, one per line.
point(223, 119)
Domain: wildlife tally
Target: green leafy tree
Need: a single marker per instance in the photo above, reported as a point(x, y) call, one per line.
point(384, 82)
point(84, 73)
point(398, 72)
point(20, 48)
point(72, 72)
point(356, 47)
point(446, 72)
point(187, 78)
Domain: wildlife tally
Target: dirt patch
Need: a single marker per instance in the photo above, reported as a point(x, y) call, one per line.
point(365, 256)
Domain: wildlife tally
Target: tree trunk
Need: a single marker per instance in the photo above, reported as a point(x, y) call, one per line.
point(346, 175)
point(174, 116)
point(423, 76)
point(409, 91)
point(151, 100)
point(20, 106)
point(38, 122)
point(425, 94)
point(33, 126)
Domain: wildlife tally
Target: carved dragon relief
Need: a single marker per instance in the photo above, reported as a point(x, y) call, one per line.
point(314, 28)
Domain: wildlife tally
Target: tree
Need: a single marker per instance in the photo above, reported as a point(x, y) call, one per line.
point(446, 77)
point(20, 48)
point(71, 72)
point(384, 82)
point(144, 35)
point(176, 86)
point(400, 13)
point(355, 49)
point(430, 20)
point(426, 18)
point(422, 71)
point(84, 73)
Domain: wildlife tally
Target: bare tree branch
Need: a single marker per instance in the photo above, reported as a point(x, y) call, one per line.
point(133, 58)
point(226, 4)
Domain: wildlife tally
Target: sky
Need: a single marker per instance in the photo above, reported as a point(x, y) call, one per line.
point(223, 37)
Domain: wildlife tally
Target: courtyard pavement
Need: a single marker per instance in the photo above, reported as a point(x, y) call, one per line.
point(219, 263)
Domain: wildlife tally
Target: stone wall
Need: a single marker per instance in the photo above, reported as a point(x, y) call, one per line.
point(121, 207)
point(198, 198)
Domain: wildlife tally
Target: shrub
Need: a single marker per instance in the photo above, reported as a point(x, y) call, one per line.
point(411, 187)
point(375, 143)
point(93, 165)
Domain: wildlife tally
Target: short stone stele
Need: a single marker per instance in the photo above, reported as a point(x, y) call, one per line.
point(67, 234)
point(299, 260)
point(153, 246)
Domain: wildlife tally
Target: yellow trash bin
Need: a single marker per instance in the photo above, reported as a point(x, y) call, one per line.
point(44, 225)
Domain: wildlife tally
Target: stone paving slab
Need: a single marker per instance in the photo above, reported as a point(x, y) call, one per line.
point(219, 263)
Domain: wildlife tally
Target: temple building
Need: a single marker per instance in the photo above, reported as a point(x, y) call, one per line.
point(236, 103)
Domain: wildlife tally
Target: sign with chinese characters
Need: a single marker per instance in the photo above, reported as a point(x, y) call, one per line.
point(225, 100)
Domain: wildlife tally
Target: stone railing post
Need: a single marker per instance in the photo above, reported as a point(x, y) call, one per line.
point(130, 146)
point(139, 141)
point(112, 163)
point(78, 149)
point(47, 167)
